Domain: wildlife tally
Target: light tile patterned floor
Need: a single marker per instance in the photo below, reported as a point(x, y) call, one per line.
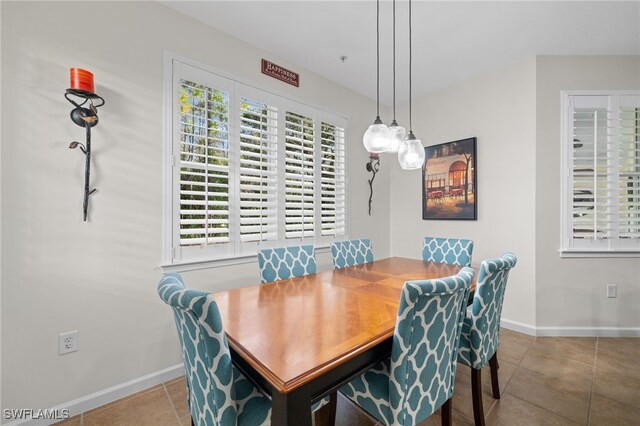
point(544, 381)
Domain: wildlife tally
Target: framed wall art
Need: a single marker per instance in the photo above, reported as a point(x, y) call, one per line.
point(449, 185)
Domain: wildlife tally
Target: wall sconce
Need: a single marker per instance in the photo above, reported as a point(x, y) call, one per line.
point(80, 94)
point(373, 165)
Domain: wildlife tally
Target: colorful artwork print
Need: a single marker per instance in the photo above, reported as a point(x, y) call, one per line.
point(449, 181)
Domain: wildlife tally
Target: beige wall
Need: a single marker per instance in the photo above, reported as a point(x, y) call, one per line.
point(61, 274)
point(572, 292)
point(499, 109)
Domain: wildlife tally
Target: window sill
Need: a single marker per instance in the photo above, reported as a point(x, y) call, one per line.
point(595, 253)
point(219, 263)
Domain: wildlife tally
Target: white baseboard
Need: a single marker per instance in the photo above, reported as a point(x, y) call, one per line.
point(105, 396)
point(570, 331)
point(518, 326)
point(589, 331)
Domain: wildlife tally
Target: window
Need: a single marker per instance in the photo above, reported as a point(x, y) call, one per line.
point(249, 169)
point(601, 195)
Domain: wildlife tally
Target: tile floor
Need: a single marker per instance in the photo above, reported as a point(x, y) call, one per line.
point(544, 381)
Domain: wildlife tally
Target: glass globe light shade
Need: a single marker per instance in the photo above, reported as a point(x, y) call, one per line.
point(398, 135)
point(377, 138)
point(411, 153)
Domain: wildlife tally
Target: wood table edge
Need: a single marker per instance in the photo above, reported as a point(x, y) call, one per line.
point(296, 382)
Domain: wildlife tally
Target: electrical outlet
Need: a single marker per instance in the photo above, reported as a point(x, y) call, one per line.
point(612, 290)
point(67, 342)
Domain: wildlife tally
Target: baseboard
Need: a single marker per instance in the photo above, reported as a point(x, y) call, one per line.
point(589, 331)
point(518, 326)
point(570, 331)
point(105, 396)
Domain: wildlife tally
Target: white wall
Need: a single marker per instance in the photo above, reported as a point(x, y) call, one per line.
point(61, 274)
point(572, 292)
point(499, 109)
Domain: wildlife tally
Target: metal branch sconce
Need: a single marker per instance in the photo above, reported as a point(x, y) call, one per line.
point(373, 165)
point(81, 94)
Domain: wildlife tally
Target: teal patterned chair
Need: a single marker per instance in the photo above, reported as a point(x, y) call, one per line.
point(351, 253)
point(419, 377)
point(218, 393)
point(286, 262)
point(447, 250)
point(481, 329)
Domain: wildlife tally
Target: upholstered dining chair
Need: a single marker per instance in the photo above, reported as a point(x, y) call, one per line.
point(218, 393)
point(481, 329)
point(447, 250)
point(351, 253)
point(286, 262)
point(419, 377)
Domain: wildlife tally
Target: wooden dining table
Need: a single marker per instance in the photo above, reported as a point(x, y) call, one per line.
point(302, 338)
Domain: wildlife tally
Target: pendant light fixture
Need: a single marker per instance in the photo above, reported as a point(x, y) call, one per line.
point(398, 133)
point(411, 151)
point(377, 138)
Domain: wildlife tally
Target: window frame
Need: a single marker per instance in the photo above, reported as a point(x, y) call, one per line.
point(171, 228)
point(567, 248)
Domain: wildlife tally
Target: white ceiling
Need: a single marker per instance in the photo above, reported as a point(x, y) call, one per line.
point(452, 41)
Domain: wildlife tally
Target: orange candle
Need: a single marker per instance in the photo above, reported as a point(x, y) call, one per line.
point(81, 79)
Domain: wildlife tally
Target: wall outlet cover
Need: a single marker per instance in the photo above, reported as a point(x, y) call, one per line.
point(612, 290)
point(68, 342)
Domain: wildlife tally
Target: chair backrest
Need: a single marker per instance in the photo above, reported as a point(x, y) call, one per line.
point(351, 253)
point(486, 309)
point(425, 345)
point(286, 262)
point(447, 250)
point(205, 352)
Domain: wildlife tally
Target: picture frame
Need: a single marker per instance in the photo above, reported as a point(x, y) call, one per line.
point(449, 181)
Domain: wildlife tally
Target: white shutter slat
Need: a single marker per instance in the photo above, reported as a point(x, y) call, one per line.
point(628, 188)
point(332, 192)
point(299, 175)
point(591, 174)
point(204, 165)
point(258, 205)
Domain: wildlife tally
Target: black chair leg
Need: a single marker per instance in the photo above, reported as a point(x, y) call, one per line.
point(192, 423)
point(327, 414)
point(476, 390)
point(495, 384)
point(446, 413)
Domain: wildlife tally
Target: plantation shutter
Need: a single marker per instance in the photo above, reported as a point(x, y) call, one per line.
point(604, 172)
point(299, 141)
point(258, 174)
point(248, 169)
point(629, 168)
point(332, 180)
point(202, 112)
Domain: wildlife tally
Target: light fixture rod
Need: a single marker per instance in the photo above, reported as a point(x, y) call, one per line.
point(394, 61)
point(410, 64)
point(378, 58)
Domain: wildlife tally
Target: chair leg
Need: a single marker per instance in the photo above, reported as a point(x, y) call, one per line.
point(327, 414)
point(192, 423)
point(446, 412)
point(495, 384)
point(476, 390)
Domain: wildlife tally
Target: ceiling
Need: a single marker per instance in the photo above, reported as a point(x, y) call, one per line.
point(452, 41)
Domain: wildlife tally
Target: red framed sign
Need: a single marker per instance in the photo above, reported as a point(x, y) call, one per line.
point(280, 73)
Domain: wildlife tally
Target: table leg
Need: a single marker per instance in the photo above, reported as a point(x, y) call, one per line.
point(290, 409)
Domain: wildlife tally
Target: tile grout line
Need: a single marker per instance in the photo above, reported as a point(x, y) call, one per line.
point(510, 378)
point(543, 408)
point(173, 408)
point(593, 381)
point(546, 409)
point(554, 354)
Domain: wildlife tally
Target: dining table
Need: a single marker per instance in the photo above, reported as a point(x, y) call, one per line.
point(300, 339)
